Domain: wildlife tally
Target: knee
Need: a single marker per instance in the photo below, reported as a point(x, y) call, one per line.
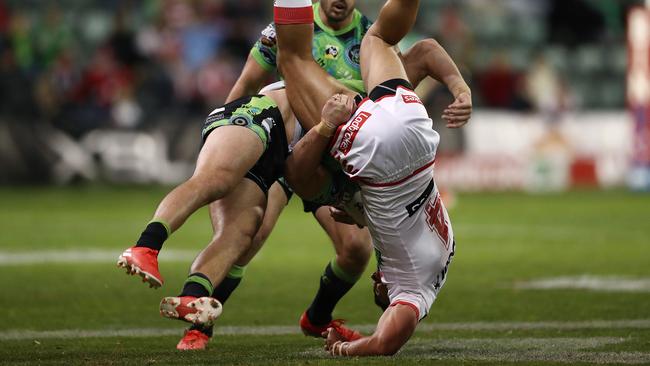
point(423, 47)
point(262, 234)
point(211, 187)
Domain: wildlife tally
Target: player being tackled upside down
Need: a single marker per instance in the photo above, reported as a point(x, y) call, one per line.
point(388, 146)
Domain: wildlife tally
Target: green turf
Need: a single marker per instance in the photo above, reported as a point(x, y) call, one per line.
point(502, 239)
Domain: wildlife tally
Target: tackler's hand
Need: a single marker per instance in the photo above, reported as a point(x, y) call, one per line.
point(459, 112)
point(338, 110)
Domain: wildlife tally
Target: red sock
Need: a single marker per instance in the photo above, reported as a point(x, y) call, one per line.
point(293, 12)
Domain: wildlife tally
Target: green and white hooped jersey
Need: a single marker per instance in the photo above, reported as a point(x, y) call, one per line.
point(337, 52)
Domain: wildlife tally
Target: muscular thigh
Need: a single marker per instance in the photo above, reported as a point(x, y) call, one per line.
point(379, 62)
point(229, 152)
point(240, 214)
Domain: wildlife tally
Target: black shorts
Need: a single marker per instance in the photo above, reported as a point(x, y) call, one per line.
point(261, 115)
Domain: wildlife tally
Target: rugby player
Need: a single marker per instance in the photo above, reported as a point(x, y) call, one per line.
point(388, 146)
point(230, 239)
point(338, 31)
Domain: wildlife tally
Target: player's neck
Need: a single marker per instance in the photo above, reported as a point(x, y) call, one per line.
point(335, 25)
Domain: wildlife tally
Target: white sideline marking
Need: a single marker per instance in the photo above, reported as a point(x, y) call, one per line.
point(83, 256)
point(20, 334)
point(589, 282)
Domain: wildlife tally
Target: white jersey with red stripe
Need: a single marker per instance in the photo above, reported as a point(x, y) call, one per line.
point(389, 147)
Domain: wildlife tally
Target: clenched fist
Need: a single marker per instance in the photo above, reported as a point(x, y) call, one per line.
point(338, 110)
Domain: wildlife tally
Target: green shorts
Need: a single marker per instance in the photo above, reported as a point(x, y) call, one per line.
point(261, 115)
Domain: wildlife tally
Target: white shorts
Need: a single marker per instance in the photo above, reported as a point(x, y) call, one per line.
point(389, 147)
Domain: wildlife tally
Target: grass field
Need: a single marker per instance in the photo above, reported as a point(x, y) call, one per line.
point(537, 280)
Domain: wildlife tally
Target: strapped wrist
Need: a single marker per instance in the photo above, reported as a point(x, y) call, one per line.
point(325, 129)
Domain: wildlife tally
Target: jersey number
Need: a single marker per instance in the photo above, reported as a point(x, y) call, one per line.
point(436, 219)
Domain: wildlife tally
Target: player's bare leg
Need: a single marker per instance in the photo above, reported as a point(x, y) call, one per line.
point(236, 218)
point(308, 86)
point(353, 250)
point(277, 201)
point(228, 153)
point(379, 60)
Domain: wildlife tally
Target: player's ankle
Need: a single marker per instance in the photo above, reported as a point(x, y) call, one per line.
point(208, 331)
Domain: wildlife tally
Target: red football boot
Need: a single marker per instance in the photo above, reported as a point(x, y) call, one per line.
point(142, 262)
point(193, 340)
point(196, 310)
point(317, 330)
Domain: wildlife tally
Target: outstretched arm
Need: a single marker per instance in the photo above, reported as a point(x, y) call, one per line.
point(429, 58)
point(394, 329)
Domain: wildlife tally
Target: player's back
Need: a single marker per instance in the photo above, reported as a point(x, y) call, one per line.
point(389, 138)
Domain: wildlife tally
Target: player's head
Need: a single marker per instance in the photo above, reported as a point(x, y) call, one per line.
point(337, 10)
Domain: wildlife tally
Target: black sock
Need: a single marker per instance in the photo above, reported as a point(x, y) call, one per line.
point(197, 285)
point(332, 288)
point(153, 236)
point(223, 291)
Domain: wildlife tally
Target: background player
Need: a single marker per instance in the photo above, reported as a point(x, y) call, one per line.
point(398, 144)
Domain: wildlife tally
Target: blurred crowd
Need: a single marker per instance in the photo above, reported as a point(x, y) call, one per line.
point(81, 65)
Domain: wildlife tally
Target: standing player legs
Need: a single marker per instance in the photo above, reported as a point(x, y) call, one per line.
point(353, 251)
point(228, 153)
point(236, 218)
point(236, 235)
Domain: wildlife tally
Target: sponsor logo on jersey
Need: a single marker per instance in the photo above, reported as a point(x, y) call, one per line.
point(351, 132)
point(409, 98)
point(414, 206)
point(214, 118)
point(331, 52)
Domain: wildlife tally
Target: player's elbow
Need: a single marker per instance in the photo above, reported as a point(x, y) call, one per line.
point(298, 182)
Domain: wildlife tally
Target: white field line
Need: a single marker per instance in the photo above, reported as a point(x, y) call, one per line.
point(8, 258)
point(21, 334)
point(589, 282)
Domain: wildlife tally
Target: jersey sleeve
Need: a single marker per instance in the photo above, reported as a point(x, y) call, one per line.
point(265, 49)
